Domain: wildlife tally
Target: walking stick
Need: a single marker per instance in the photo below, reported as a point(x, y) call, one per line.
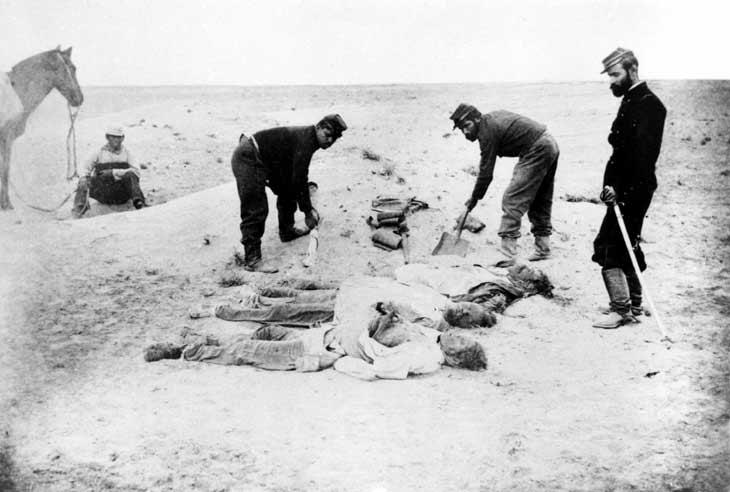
point(627, 241)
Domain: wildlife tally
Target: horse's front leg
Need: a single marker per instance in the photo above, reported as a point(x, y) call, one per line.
point(4, 174)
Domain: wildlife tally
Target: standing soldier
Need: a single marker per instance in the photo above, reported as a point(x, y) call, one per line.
point(278, 158)
point(630, 181)
point(506, 134)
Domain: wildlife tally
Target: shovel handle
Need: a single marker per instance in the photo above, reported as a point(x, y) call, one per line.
point(460, 227)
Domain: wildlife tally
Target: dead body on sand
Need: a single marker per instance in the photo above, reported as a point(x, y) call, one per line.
point(390, 347)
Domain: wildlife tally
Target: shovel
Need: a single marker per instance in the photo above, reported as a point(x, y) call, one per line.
point(453, 245)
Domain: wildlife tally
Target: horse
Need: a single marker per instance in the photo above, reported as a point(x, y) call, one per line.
point(32, 80)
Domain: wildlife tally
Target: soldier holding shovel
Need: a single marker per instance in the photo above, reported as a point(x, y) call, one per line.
point(506, 134)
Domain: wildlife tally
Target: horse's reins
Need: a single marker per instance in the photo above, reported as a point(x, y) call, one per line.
point(71, 143)
point(71, 137)
point(71, 163)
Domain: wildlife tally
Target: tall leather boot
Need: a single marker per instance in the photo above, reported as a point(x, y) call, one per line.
point(634, 292)
point(542, 249)
point(618, 293)
point(253, 262)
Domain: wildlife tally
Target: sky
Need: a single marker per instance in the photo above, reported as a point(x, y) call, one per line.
point(283, 42)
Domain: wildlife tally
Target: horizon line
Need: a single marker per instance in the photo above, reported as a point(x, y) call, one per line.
point(386, 84)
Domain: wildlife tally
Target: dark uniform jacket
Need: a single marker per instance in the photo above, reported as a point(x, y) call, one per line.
point(503, 134)
point(286, 153)
point(636, 138)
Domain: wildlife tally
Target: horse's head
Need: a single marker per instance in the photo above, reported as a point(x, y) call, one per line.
point(64, 75)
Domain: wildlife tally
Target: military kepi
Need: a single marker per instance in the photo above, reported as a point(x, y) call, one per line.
point(336, 123)
point(461, 113)
point(616, 56)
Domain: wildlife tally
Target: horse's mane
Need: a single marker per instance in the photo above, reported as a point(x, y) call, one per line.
point(42, 54)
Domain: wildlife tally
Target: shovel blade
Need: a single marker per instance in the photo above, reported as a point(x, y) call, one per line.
point(449, 245)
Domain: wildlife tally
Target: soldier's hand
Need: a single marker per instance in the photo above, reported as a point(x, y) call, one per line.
point(608, 195)
point(470, 203)
point(311, 219)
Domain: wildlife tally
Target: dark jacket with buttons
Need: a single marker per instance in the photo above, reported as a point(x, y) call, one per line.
point(636, 138)
point(286, 153)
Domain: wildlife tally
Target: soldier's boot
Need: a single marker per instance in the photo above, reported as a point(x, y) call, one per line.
point(542, 249)
point(292, 232)
point(508, 248)
point(618, 293)
point(253, 261)
point(635, 293)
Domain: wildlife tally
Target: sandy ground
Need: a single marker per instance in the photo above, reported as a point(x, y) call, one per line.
point(562, 406)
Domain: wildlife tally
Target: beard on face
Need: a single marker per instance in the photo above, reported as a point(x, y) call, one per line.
point(620, 89)
point(472, 135)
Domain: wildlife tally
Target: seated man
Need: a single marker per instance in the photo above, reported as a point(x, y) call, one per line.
point(109, 176)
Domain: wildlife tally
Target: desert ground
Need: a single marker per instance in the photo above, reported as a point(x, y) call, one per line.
point(562, 406)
